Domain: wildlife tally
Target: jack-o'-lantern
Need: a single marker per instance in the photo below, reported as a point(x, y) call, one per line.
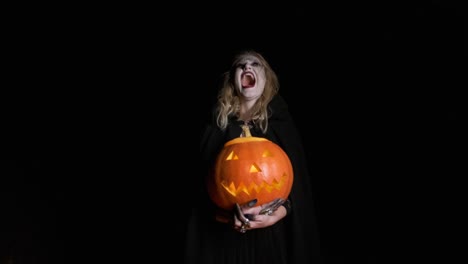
point(250, 168)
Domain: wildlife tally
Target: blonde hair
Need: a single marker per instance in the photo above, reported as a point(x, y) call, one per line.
point(228, 101)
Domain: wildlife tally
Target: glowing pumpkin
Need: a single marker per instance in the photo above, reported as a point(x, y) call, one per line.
point(250, 168)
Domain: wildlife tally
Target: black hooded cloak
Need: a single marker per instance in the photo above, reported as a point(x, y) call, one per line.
point(292, 240)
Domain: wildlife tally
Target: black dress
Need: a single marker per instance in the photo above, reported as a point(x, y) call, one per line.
point(294, 239)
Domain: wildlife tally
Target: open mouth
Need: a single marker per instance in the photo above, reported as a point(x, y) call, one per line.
point(247, 80)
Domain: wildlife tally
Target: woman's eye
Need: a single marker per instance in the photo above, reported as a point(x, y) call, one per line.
point(255, 64)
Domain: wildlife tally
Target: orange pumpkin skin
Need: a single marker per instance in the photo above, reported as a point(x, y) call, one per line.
point(250, 168)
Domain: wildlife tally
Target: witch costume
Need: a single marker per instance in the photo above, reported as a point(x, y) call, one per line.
point(292, 240)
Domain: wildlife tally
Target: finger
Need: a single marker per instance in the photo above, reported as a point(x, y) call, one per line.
point(252, 203)
point(266, 211)
point(241, 226)
point(247, 209)
point(278, 202)
point(251, 217)
point(237, 223)
point(241, 216)
point(269, 208)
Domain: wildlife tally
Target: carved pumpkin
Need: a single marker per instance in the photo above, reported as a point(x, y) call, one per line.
point(250, 168)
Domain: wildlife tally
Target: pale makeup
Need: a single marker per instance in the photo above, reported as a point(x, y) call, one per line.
point(250, 78)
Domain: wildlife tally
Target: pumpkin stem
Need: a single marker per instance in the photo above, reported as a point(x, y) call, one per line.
point(246, 131)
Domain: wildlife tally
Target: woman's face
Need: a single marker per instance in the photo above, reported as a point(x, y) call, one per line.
point(250, 78)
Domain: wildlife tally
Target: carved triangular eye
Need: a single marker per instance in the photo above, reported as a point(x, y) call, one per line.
point(267, 153)
point(255, 168)
point(232, 156)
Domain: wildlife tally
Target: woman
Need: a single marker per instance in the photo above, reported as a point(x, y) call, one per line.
point(287, 233)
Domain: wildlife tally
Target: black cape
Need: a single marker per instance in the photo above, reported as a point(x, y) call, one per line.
point(294, 239)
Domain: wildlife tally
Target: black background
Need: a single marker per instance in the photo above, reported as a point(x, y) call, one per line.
point(101, 148)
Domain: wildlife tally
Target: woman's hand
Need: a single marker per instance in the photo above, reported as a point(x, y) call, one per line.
point(249, 216)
